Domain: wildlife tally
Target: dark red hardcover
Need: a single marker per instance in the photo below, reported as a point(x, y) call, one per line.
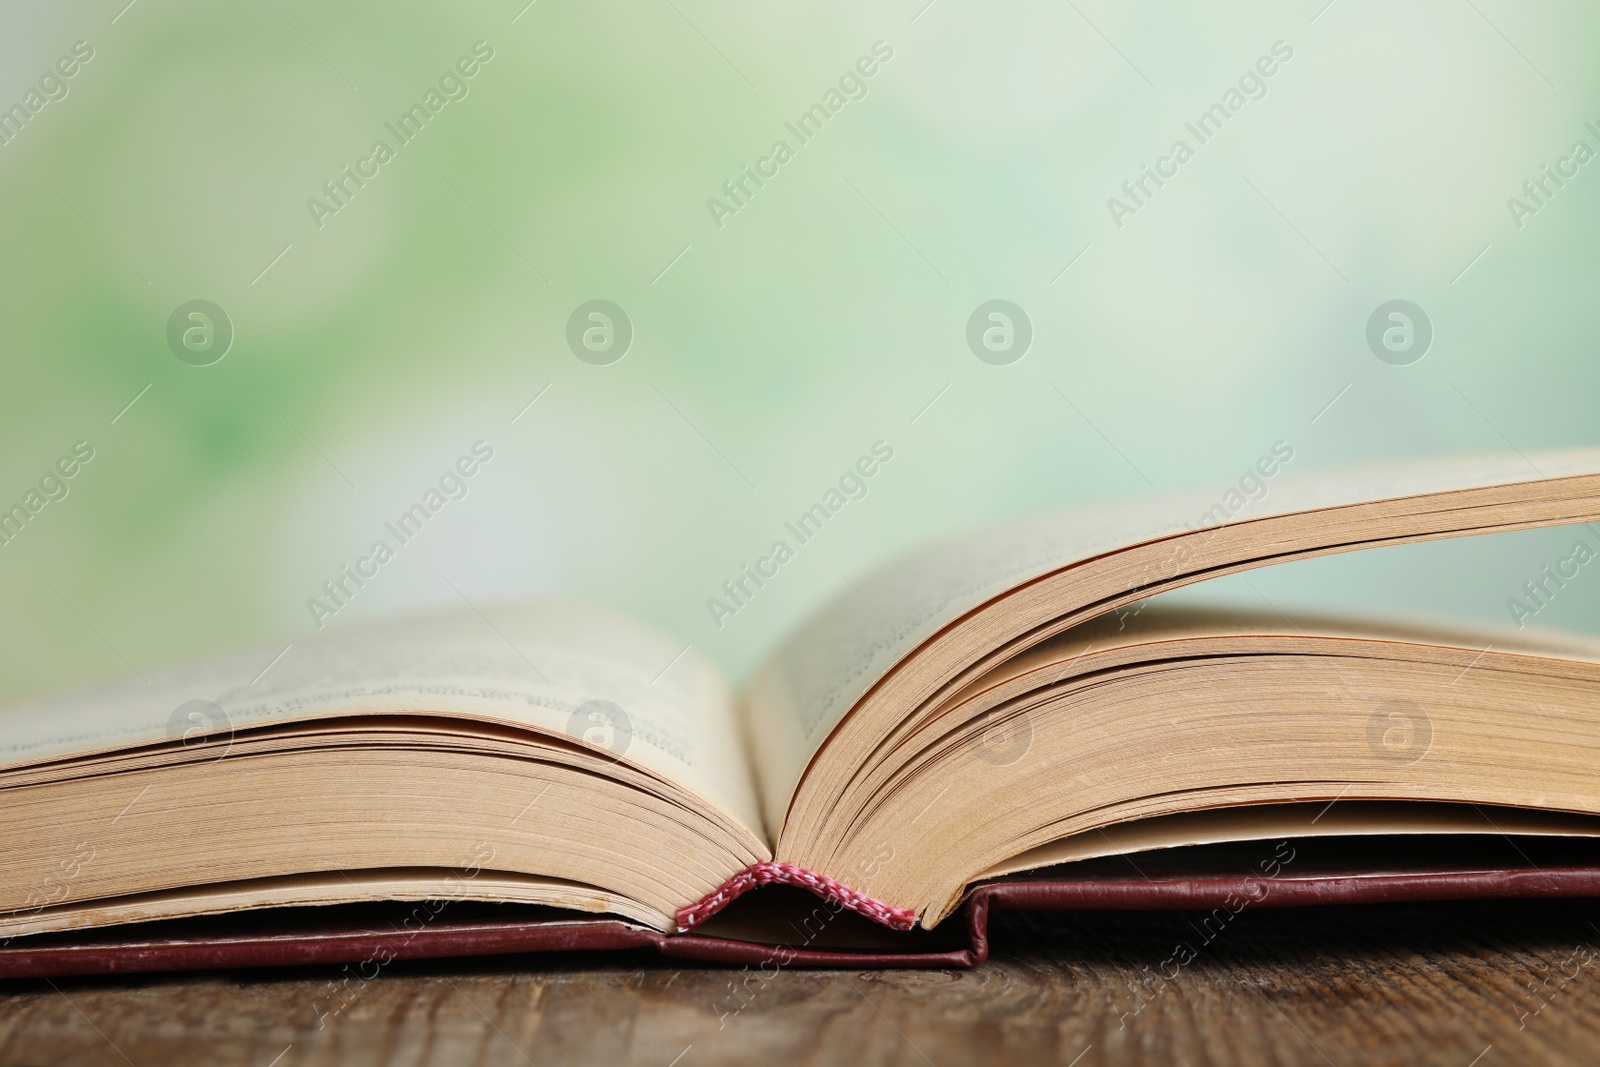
point(782, 926)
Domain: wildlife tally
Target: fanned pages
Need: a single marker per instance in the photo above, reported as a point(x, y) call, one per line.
point(871, 688)
point(977, 711)
point(546, 740)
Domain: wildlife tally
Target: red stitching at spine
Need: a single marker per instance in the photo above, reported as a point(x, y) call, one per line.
point(788, 874)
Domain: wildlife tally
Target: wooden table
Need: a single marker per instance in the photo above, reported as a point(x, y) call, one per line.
point(1457, 984)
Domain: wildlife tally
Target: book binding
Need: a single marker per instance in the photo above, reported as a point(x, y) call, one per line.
point(771, 873)
point(364, 943)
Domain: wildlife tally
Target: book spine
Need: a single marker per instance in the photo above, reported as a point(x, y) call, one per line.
point(769, 873)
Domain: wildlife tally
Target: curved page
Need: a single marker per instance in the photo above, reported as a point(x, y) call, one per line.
point(560, 667)
point(814, 679)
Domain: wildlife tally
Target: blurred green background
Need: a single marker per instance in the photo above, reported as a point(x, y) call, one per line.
point(772, 351)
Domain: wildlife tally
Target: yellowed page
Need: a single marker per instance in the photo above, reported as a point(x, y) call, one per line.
point(1271, 822)
point(342, 887)
point(827, 666)
point(562, 667)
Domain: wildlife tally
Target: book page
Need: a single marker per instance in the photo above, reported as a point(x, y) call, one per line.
point(1272, 822)
point(819, 674)
point(562, 667)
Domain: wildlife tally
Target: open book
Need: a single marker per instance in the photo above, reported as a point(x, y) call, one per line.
point(940, 733)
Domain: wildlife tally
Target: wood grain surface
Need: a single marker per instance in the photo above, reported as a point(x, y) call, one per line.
point(1459, 985)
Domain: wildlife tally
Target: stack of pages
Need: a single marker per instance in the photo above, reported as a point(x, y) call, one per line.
point(994, 722)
